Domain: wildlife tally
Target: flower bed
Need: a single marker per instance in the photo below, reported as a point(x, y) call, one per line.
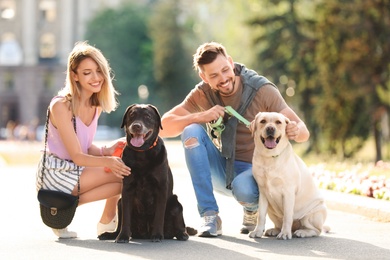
point(371, 181)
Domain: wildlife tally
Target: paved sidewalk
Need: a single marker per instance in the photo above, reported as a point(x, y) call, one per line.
point(352, 236)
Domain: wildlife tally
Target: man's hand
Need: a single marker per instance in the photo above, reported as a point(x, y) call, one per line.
point(213, 113)
point(292, 130)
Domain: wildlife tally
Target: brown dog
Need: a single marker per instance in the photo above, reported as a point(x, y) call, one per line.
point(148, 208)
point(287, 190)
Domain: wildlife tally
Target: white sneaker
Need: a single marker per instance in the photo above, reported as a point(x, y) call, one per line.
point(211, 226)
point(110, 227)
point(64, 233)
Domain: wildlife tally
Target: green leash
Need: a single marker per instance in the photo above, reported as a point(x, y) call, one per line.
point(218, 126)
point(234, 113)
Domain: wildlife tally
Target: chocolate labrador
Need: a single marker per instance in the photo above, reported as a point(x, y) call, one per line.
point(148, 208)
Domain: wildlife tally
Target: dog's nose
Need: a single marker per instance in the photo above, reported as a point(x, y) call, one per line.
point(136, 127)
point(270, 130)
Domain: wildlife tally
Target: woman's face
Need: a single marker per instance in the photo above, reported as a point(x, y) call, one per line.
point(89, 76)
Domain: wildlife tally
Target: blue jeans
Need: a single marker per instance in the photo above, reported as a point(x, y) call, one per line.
point(207, 169)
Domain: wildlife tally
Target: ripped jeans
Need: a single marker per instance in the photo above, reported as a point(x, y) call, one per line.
point(207, 169)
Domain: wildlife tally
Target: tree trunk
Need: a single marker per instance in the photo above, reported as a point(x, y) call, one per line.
point(378, 143)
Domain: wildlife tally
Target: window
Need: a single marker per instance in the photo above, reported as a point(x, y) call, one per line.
point(47, 46)
point(48, 81)
point(7, 9)
point(9, 81)
point(48, 11)
point(10, 50)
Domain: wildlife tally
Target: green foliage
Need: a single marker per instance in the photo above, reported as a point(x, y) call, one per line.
point(286, 48)
point(333, 56)
point(172, 63)
point(122, 35)
point(351, 70)
point(336, 55)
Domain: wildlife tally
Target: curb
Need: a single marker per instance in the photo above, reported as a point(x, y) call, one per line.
point(376, 209)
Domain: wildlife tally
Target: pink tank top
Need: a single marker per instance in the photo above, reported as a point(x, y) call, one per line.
point(85, 134)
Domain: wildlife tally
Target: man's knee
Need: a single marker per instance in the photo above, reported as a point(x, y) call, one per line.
point(245, 193)
point(191, 142)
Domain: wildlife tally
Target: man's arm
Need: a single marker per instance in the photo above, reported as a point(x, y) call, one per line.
point(297, 129)
point(174, 121)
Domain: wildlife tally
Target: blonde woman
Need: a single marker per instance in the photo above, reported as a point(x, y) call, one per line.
point(87, 93)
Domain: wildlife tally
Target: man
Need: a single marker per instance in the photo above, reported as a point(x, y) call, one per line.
point(221, 159)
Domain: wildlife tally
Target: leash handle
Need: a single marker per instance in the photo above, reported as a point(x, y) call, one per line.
point(218, 125)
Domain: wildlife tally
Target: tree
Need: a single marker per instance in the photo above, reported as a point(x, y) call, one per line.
point(172, 63)
point(286, 54)
point(336, 53)
point(122, 35)
point(353, 56)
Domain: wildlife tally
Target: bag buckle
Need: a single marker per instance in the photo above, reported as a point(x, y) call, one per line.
point(53, 211)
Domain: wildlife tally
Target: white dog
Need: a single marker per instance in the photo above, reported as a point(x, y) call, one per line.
point(287, 190)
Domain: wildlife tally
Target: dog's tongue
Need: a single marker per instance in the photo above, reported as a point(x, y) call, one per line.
point(137, 141)
point(270, 143)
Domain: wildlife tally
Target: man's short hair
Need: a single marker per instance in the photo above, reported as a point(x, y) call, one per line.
point(207, 53)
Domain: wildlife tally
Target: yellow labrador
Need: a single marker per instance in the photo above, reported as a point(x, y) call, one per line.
point(287, 190)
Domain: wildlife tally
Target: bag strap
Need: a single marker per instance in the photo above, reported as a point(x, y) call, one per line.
point(44, 151)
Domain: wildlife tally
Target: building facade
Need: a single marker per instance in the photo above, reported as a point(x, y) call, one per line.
point(36, 37)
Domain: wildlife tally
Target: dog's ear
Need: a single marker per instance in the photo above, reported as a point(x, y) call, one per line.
point(287, 120)
point(124, 115)
point(252, 126)
point(158, 114)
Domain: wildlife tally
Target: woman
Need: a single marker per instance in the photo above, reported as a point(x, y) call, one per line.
point(87, 93)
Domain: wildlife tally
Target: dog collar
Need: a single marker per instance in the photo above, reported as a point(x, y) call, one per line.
point(153, 145)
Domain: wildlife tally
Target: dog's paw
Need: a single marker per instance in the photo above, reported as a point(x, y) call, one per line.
point(121, 238)
point(156, 238)
point(256, 233)
point(122, 241)
point(305, 233)
point(272, 232)
point(284, 235)
point(182, 236)
point(107, 236)
point(191, 231)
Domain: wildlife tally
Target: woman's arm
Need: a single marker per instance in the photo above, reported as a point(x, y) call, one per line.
point(61, 118)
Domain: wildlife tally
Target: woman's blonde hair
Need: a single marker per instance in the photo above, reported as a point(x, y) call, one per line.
point(106, 97)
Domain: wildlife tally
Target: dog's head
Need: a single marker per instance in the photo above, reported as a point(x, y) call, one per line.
point(269, 132)
point(142, 124)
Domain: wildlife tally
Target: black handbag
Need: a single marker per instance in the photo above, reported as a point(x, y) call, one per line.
point(57, 208)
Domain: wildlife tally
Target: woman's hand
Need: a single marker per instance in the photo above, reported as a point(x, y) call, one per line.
point(117, 167)
point(118, 145)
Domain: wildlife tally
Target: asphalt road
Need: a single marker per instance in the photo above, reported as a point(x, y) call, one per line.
point(352, 236)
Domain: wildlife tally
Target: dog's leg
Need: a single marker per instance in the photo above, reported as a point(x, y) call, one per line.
point(312, 224)
point(288, 215)
point(174, 225)
point(260, 227)
point(278, 222)
point(125, 233)
point(157, 233)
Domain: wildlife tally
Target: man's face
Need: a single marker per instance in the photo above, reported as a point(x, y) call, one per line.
point(219, 75)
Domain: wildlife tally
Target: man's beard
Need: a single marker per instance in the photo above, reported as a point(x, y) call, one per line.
point(223, 91)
